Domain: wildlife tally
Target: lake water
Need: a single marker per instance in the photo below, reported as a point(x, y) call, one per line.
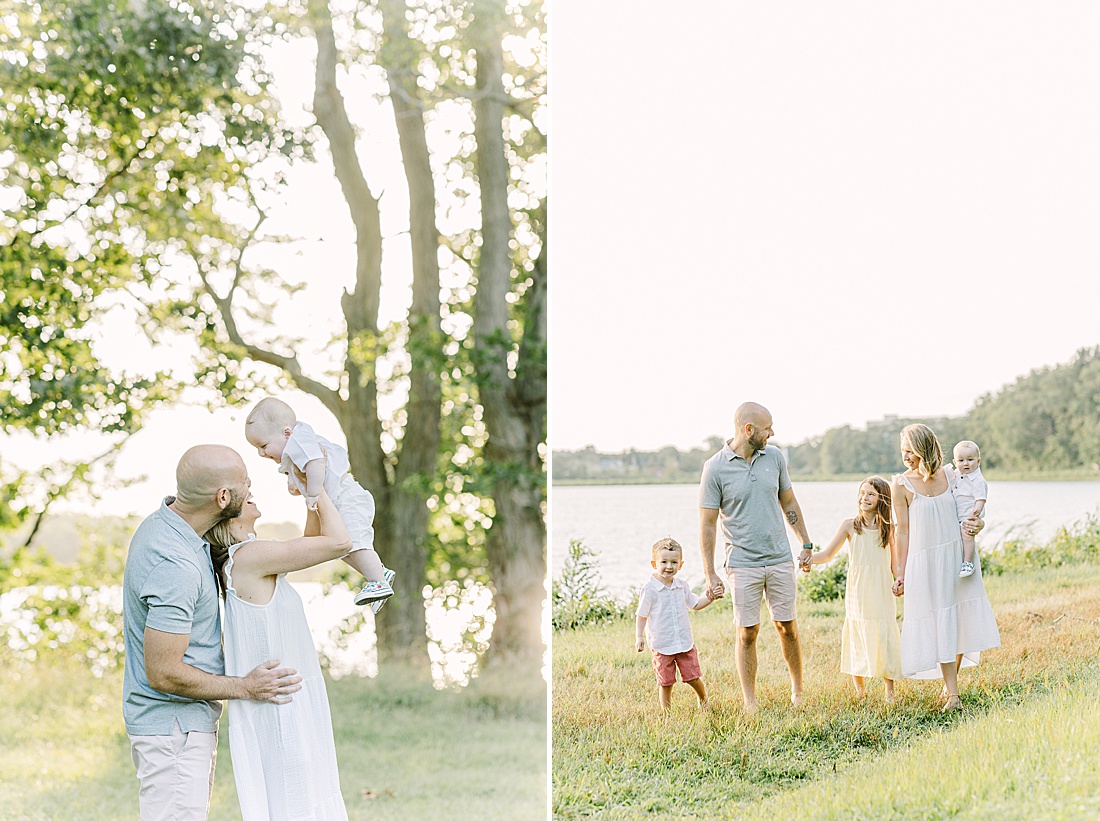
point(621, 522)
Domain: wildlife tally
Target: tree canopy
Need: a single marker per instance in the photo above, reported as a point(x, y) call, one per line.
point(141, 146)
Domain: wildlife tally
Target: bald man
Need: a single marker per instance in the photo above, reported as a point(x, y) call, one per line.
point(174, 678)
point(745, 487)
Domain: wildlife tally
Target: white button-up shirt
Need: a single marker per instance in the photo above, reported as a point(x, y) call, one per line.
point(967, 490)
point(665, 610)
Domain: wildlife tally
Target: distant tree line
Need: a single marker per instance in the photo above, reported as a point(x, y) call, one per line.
point(1045, 421)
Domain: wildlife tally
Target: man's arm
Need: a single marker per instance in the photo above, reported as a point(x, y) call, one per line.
point(167, 672)
point(708, 533)
point(793, 512)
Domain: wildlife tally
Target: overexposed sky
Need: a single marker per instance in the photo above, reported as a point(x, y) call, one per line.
point(841, 210)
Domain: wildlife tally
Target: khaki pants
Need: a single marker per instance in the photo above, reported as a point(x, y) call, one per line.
point(176, 774)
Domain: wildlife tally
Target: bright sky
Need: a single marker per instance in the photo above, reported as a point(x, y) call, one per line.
point(840, 210)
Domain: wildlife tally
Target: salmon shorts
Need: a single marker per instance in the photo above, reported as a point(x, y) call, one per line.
point(665, 667)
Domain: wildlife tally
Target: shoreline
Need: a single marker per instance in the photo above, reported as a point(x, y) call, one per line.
point(1078, 475)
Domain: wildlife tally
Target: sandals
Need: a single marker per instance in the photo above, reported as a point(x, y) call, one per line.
point(953, 703)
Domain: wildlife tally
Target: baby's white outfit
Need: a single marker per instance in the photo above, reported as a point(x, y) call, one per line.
point(967, 490)
point(284, 758)
point(352, 501)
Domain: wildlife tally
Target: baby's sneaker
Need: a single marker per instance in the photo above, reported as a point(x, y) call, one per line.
point(387, 576)
point(967, 569)
point(373, 592)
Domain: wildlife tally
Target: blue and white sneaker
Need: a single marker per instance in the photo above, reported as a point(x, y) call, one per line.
point(374, 592)
point(387, 576)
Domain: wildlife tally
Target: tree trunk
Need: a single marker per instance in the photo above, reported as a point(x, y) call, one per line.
point(514, 407)
point(401, 518)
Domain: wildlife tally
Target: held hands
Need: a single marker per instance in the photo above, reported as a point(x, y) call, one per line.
point(899, 587)
point(715, 588)
point(805, 559)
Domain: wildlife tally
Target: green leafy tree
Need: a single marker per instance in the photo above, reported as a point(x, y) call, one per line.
point(123, 128)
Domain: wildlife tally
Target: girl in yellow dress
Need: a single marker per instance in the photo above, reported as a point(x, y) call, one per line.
point(871, 643)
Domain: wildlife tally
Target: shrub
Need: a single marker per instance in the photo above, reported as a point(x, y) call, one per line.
point(826, 584)
point(578, 597)
point(1076, 544)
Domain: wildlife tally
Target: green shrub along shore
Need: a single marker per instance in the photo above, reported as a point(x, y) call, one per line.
point(1023, 746)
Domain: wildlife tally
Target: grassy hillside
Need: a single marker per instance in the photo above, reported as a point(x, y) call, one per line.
point(1022, 747)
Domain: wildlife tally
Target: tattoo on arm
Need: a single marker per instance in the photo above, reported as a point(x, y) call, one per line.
point(792, 517)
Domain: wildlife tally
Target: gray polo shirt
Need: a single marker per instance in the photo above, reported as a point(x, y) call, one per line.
point(169, 586)
point(746, 494)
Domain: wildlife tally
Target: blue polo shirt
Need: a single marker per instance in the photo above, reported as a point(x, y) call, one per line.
point(169, 585)
point(746, 494)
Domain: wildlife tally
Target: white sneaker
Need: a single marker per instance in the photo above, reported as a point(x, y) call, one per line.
point(373, 591)
point(387, 576)
point(967, 569)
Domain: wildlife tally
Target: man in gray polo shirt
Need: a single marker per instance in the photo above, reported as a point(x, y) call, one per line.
point(745, 487)
point(174, 675)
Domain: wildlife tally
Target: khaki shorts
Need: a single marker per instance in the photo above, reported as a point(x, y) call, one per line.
point(175, 774)
point(775, 584)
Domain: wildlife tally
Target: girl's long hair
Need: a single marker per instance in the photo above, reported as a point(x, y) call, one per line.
point(220, 540)
point(924, 444)
point(880, 519)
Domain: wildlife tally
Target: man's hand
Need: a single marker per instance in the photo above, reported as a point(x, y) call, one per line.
point(805, 559)
point(715, 588)
point(266, 683)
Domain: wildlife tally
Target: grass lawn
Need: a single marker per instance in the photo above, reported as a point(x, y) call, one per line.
point(405, 751)
point(1023, 746)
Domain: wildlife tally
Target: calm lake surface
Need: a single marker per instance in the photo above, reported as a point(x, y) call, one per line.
point(621, 522)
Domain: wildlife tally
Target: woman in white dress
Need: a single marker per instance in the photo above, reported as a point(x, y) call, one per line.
point(948, 620)
point(284, 758)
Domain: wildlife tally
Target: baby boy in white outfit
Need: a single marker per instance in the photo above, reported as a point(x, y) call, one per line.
point(970, 492)
point(313, 463)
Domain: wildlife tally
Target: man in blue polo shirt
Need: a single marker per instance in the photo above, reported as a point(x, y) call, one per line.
point(174, 676)
point(745, 487)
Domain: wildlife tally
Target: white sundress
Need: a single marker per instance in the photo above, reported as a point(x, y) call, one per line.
point(284, 758)
point(944, 615)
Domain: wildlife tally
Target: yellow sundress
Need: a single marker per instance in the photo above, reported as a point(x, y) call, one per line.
point(871, 641)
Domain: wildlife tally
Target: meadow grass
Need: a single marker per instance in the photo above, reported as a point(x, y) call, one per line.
point(404, 750)
point(615, 756)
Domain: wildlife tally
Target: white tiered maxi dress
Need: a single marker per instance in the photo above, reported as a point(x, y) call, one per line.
point(944, 615)
point(284, 758)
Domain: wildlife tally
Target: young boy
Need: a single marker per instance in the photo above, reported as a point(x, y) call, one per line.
point(663, 619)
point(312, 464)
point(970, 492)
